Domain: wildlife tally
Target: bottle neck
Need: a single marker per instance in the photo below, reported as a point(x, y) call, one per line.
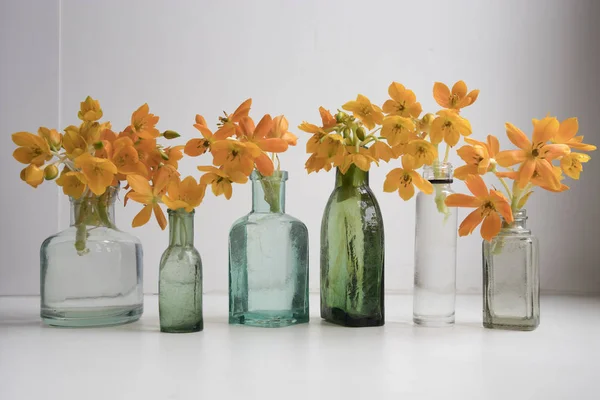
point(520, 221)
point(354, 177)
point(95, 210)
point(181, 227)
point(439, 173)
point(268, 192)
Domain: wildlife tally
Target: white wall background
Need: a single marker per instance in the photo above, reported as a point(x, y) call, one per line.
point(188, 57)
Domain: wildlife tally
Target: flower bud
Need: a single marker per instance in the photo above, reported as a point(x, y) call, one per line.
point(360, 133)
point(50, 172)
point(163, 154)
point(341, 116)
point(32, 175)
point(51, 136)
point(171, 135)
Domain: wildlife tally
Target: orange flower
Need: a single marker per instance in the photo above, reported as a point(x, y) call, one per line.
point(479, 157)
point(33, 149)
point(33, 175)
point(403, 103)
point(381, 151)
point(173, 155)
point(448, 126)
point(405, 179)
point(143, 123)
point(197, 147)
point(99, 173)
point(331, 146)
point(537, 180)
point(368, 113)
point(397, 129)
point(401, 148)
point(90, 110)
point(362, 159)
point(258, 134)
point(233, 155)
point(149, 196)
point(73, 143)
point(566, 135)
point(228, 123)
point(52, 137)
point(221, 180)
point(327, 119)
point(534, 156)
point(72, 182)
point(489, 206)
point(457, 99)
point(571, 164)
point(316, 163)
point(125, 157)
point(280, 131)
point(186, 194)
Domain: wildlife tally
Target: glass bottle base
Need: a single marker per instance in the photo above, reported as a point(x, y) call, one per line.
point(268, 319)
point(197, 327)
point(91, 317)
point(512, 324)
point(340, 317)
point(434, 321)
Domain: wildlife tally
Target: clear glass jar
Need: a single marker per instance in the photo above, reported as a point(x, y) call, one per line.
point(91, 273)
point(435, 251)
point(352, 253)
point(268, 260)
point(180, 278)
point(511, 282)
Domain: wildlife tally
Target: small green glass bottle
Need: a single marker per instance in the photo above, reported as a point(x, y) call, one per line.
point(180, 279)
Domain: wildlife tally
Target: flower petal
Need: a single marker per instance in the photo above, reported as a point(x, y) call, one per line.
point(460, 89)
point(567, 130)
point(264, 165)
point(526, 172)
point(142, 217)
point(407, 191)
point(493, 145)
point(491, 226)
point(477, 186)
point(160, 216)
point(462, 200)
point(441, 94)
point(517, 137)
point(509, 158)
point(544, 129)
point(470, 223)
point(422, 184)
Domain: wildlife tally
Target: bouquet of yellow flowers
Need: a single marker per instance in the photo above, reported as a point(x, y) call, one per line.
point(539, 162)
point(90, 159)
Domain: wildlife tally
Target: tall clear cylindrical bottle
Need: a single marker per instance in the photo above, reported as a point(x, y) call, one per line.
point(435, 251)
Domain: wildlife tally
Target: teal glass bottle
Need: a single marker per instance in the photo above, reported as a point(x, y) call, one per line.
point(352, 253)
point(268, 260)
point(180, 278)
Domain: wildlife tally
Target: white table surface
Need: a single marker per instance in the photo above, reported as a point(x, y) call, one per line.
point(559, 360)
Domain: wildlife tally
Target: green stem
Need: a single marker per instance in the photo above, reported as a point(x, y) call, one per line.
point(447, 154)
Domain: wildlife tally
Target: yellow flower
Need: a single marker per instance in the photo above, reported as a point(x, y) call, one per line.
point(448, 127)
point(489, 206)
point(381, 151)
point(401, 148)
point(149, 196)
point(33, 175)
point(536, 155)
point(397, 129)
point(186, 194)
point(221, 180)
point(405, 179)
point(234, 155)
point(33, 149)
point(330, 146)
point(571, 164)
point(479, 157)
point(403, 103)
point(90, 110)
point(566, 135)
point(327, 119)
point(125, 157)
point(143, 123)
point(99, 173)
point(424, 124)
point(72, 182)
point(228, 124)
point(423, 152)
point(368, 113)
point(52, 137)
point(457, 99)
point(173, 154)
point(73, 143)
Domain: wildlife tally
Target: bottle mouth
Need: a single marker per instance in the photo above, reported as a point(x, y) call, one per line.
point(109, 196)
point(436, 181)
point(276, 176)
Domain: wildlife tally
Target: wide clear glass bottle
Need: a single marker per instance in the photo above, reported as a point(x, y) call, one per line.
point(268, 260)
point(352, 253)
point(91, 273)
point(435, 251)
point(511, 281)
point(180, 278)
